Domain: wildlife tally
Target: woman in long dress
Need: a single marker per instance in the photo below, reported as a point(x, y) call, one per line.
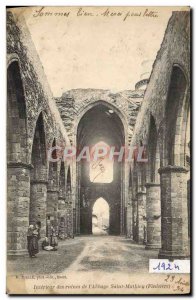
point(53, 238)
point(32, 240)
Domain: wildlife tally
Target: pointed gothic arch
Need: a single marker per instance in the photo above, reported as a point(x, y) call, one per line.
point(176, 114)
point(108, 128)
point(16, 116)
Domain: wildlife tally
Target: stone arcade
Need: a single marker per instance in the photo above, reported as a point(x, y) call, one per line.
point(148, 202)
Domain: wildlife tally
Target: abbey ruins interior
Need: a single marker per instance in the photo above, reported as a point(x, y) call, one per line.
point(148, 203)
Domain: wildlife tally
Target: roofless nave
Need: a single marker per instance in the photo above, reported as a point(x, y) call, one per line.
point(148, 202)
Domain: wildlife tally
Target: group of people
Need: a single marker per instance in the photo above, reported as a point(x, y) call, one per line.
point(33, 236)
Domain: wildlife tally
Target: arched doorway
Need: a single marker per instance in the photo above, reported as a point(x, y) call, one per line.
point(101, 124)
point(100, 217)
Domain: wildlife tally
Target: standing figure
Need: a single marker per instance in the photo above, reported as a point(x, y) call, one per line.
point(53, 238)
point(33, 236)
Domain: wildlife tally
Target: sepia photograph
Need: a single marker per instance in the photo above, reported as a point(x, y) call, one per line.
point(98, 150)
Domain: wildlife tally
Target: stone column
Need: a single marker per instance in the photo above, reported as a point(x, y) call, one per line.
point(77, 192)
point(153, 215)
point(52, 204)
point(122, 213)
point(74, 221)
point(78, 218)
point(174, 214)
point(141, 216)
point(86, 220)
point(129, 216)
point(62, 215)
point(134, 218)
point(38, 194)
point(18, 197)
point(69, 214)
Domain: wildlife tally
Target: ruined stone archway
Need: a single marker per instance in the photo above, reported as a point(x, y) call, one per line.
point(16, 116)
point(108, 129)
point(38, 183)
point(173, 174)
point(176, 114)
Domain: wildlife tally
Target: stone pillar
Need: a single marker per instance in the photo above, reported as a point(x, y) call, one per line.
point(174, 214)
point(52, 204)
point(69, 214)
point(18, 197)
point(114, 219)
point(122, 213)
point(62, 218)
point(141, 216)
point(78, 218)
point(38, 194)
point(70, 221)
point(134, 218)
point(86, 220)
point(153, 215)
point(129, 215)
point(77, 192)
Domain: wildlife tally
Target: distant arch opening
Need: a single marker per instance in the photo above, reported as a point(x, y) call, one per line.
point(101, 124)
point(100, 217)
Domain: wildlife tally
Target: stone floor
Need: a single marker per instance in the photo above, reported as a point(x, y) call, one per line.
point(87, 253)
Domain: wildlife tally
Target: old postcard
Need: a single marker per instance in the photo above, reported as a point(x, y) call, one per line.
point(98, 150)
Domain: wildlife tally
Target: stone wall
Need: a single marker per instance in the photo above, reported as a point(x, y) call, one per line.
point(38, 95)
point(31, 132)
point(174, 50)
point(167, 102)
